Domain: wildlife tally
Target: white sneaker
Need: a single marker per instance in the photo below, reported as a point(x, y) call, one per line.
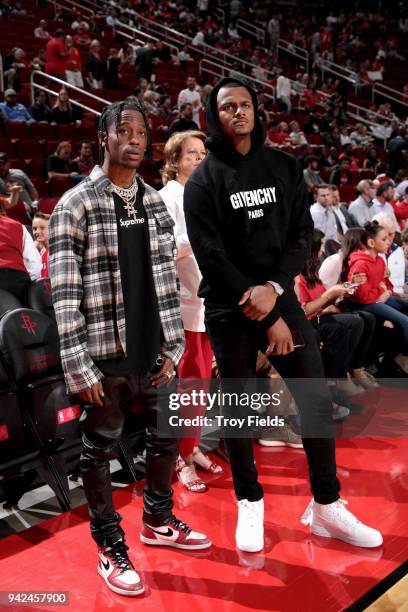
point(335, 521)
point(249, 535)
point(340, 412)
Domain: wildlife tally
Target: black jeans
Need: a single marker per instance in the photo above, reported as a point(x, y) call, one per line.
point(101, 430)
point(235, 341)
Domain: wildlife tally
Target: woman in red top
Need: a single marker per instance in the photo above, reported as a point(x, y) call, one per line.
point(375, 294)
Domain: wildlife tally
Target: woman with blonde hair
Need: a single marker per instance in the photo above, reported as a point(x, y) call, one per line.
point(183, 153)
point(63, 112)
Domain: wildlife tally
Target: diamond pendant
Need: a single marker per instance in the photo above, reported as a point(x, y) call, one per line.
point(130, 208)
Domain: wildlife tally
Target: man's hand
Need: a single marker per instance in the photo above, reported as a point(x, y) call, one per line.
point(384, 297)
point(279, 338)
point(93, 395)
point(257, 302)
point(164, 377)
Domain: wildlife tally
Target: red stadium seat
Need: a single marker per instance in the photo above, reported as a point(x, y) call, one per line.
point(47, 205)
point(42, 187)
point(16, 129)
point(38, 168)
point(42, 131)
point(58, 186)
point(347, 193)
point(29, 149)
point(19, 164)
point(7, 147)
point(66, 132)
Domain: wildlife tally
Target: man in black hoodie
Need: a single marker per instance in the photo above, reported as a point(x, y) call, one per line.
point(248, 221)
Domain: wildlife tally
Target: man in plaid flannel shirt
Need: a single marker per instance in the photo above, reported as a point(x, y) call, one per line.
point(116, 300)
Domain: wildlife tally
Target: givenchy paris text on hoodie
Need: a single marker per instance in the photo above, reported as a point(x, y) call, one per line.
point(247, 218)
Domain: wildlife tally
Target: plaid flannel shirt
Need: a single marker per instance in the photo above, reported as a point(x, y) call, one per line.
point(86, 283)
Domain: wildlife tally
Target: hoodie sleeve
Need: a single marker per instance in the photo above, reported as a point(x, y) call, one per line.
point(299, 238)
point(365, 293)
point(208, 248)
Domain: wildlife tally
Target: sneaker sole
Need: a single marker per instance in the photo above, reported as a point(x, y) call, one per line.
point(281, 443)
point(121, 591)
point(250, 550)
point(326, 534)
point(151, 542)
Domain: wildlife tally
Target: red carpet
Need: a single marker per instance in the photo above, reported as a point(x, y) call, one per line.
point(295, 572)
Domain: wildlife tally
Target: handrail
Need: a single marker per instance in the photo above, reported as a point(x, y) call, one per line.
point(340, 71)
point(136, 32)
point(295, 50)
point(250, 28)
point(66, 85)
point(382, 90)
point(268, 89)
point(73, 3)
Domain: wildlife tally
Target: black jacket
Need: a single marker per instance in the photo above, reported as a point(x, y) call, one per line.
point(247, 218)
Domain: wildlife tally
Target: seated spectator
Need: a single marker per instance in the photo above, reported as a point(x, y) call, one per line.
point(16, 63)
point(371, 160)
point(394, 256)
point(59, 163)
point(333, 138)
point(14, 176)
point(185, 121)
point(40, 233)
point(281, 135)
point(127, 54)
point(334, 269)
point(382, 201)
point(82, 40)
point(63, 112)
point(362, 207)
point(56, 53)
point(73, 65)
point(400, 207)
point(360, 136)
point(18, 9)
point(40, 111)
point(95, 67)
point(345, 136)
point(311, 173)
point(322, 212)
point(112, 69)
point(340, 333)
point(404, 240)
point(401, 178)
point(13, 110)
point(38, 62)
point(144, 61)
point(9, 201)
point(342, 175)
point(112, 18)
point(84, 163)
point(296, 136)
point(41, 33)
point(344, 219)
point(20, 262)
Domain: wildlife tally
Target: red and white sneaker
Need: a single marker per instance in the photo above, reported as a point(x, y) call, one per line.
point(117, 570)
point(174, 533)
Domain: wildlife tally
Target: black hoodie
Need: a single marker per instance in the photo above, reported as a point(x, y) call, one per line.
point(247, 217)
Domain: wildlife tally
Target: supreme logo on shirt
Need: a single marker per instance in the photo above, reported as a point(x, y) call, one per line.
point(253, 197)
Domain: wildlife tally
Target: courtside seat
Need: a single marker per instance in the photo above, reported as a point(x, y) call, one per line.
point(8, 302)
point(39, 297)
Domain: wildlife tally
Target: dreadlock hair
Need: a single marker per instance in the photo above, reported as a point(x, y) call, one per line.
point(311, 267)
point(111, 116)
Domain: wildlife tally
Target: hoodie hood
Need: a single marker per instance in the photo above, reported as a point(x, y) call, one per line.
point(362, 256)
point(216, 141)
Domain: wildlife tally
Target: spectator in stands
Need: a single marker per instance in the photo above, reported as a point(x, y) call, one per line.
point(112, 18)
point(360, 136)
point(235, 8)
point(56, 53)
point(9, 201)
point(40, 233)
point(38, 62)
point(82, 38)
point(183, 57)
point(185, 121)
point(311, 173)
point(375, 294)
point(398, 152)
point(59, 163)
point(15, 176)
point(394, 257)
point(95, 67)
point(127, 54)
point(280, 136)
point(296, 135)
point(13, 110)
point(84, 163)
point(372, 159)
point(183, 153)
point(112, 69)
point(404, 240)
point(274, 33)
point(283, 92)
point(362, 207)
point(342, 175)
point(15, 65)
point(333, 138)
point(340, 209)
point(64, 112)
point(41, 33)
point(40, 111)
point(191, 96)
point(18, 9)
point(20, 262)
point(401, 179)
point(381, 203)
point(199, 39)
point(144, 61)
point(73, 65)
point(322, 212)
point(345, 138)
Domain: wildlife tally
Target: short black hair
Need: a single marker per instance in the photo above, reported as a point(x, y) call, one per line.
point(383, 187)
point(111, 116)
point(183, 106)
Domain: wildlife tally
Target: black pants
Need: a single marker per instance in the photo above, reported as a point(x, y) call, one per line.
point(101, 430)
point(235, 341)
point(16, 282)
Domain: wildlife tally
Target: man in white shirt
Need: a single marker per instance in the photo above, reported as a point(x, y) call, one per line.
point(283, 91)
point(394, 257)
point(381, 202)
point(191, 96)
point(362, 207)
point(322, 212)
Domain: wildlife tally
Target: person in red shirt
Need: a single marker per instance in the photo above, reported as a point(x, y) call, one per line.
point(375, 294)
point(401, 209)
point(84, 163)
point(56, 53)
point(73, 67)
point(40, 233)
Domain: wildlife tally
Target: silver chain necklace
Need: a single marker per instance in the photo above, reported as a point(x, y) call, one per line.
point(128, 195)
